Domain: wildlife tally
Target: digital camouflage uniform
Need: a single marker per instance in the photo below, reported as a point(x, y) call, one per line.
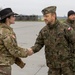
point(9, 50)
point(56, 39)
point(72, 24)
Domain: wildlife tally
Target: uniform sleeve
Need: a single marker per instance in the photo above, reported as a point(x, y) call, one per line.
point(10, 44)
point(39, 43)
point(70, 36)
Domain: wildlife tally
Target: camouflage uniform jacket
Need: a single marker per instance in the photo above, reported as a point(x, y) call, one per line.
point(71, 23)
point(56, 38)
point(9, 49)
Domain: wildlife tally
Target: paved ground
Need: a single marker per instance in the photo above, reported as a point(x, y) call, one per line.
point(26, 33)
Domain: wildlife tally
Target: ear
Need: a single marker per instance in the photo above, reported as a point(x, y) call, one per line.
point(53, 16)
point(7, 20)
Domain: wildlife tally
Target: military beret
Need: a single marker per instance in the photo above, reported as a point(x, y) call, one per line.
point(50, 9)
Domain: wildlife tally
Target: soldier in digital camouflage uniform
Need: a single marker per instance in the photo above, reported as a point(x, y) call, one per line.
point(10, 52)
point(71, 21)
point(56, 37)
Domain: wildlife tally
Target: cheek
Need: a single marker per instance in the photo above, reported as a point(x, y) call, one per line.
point(71, 17)
point(13, 18)
point(12, 21)
point(49, 19)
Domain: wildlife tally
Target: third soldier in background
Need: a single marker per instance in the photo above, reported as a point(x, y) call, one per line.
point(71, 19)
point(71, 22)
point(56, 38)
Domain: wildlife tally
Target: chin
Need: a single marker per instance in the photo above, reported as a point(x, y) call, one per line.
point(13, 23)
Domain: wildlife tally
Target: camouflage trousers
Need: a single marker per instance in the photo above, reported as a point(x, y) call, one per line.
point(60, 71)
point(5, 70)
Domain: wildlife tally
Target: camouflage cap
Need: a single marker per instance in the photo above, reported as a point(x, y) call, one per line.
point(50, 9)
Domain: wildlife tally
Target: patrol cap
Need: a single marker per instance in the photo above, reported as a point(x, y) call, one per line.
point(50, 9)
point(6, 12)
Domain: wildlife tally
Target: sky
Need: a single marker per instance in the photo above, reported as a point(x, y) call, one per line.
point(34, 7)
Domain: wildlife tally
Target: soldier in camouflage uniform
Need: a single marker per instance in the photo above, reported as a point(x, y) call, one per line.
point(71, 19)
point(10, 52)
point(56, 38)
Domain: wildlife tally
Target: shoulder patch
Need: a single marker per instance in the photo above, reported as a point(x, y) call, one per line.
point(69, 28)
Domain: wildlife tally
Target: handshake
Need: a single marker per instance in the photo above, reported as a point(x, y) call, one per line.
point(19, 62)
point(30, 52)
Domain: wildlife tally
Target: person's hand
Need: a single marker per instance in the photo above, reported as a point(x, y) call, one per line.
point(30, 51)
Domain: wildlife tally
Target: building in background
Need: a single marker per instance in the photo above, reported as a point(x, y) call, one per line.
point(27, 18)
